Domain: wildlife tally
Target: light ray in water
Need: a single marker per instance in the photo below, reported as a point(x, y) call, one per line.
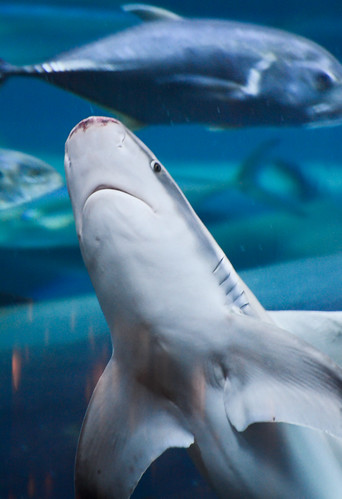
point(48, 485)
point(46, 336)
point(16, 369)
point(31, 486)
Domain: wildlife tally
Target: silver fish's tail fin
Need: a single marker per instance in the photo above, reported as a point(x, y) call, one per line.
point(125, 429)
point(6, 70)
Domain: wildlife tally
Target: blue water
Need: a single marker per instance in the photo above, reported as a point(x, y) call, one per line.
point(46, 383)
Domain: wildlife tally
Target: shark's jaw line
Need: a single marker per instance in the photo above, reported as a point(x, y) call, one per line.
point(104, 187)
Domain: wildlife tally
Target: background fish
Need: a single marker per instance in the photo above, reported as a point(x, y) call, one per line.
point(24, 178)
point(35, 210)
point(175, 70)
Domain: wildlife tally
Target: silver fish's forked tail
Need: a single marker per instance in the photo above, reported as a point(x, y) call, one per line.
point(197, 360)
point(7, 70)
point(4, 70)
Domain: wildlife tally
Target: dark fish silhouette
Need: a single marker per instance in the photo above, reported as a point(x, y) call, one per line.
point(217, 72)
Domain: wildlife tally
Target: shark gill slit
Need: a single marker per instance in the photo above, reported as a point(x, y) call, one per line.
point(228, 278)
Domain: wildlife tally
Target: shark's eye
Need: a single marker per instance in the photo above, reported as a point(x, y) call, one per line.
point(156, 166)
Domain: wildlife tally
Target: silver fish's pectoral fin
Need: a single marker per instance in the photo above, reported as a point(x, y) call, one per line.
point(150, 13)
point(272, 376)
point(202, 86)
point(323, 330)
point(129, 121)
point(125, 429)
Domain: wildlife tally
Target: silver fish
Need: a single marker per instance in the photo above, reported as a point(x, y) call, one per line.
point(222, 73)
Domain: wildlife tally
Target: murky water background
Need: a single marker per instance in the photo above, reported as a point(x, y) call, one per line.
point(54, 342)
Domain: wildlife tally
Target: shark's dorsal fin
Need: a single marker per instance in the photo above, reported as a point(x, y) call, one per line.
point(149, 13)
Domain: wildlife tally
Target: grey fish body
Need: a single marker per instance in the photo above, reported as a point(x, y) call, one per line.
point(24, 178)
point(201, 71)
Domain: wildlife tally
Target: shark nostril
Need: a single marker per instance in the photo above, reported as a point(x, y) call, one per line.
point(122, 138)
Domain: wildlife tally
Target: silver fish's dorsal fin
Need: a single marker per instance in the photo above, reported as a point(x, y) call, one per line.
point(149, 13)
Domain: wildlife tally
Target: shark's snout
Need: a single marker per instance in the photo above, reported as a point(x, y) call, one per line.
point(92, 121)
point(96, 135)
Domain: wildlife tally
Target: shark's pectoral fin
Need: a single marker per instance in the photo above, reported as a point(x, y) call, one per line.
point(323, 330)
point(126, 428)
point(272, 376)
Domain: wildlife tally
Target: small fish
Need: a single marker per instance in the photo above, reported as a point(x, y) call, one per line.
point(24, 178)
point(35, 209)
point(44, 222)
point(197, 360)
point(221, 73)
point(261, 182)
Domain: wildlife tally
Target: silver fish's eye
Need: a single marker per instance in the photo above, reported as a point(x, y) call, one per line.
point(33, 172)
point(324, 81)
point(156, 166)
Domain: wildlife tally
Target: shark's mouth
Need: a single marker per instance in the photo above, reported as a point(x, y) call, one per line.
point(103, 187)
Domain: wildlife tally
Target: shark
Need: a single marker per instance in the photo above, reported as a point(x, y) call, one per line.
point(197, 361)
